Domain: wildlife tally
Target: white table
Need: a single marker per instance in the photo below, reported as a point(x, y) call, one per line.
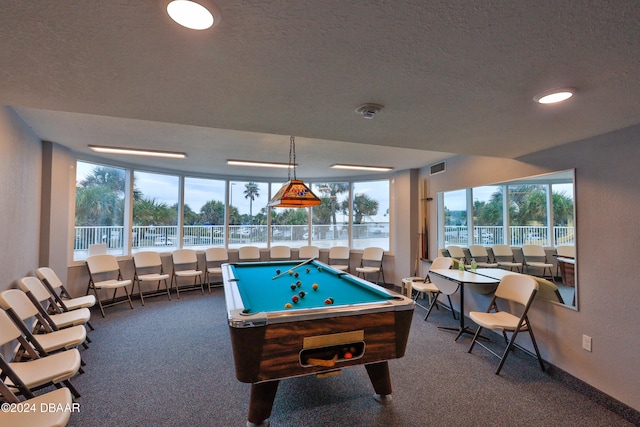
point(450, 281)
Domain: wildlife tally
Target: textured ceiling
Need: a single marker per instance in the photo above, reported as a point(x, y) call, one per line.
point(454, 77)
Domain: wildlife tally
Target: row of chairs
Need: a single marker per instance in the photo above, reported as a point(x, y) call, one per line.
point(513, 288)
point(502, 256)
point(105, 273)
point(48, 328)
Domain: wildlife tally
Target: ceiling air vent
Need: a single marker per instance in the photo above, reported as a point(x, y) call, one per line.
point(437, 168)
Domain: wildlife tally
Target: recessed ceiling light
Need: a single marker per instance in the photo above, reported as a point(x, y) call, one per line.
point(258, 164)
point(363, 168)
point(192, 15)
point(137, 152)
point(554, 96)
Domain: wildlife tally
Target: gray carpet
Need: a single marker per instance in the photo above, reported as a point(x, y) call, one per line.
point(169, 363)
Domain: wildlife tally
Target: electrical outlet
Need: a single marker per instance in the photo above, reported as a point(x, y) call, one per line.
point(586, 342)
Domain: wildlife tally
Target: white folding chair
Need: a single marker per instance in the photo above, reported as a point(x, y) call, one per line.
point(185, 265)
point(516, 288)
point(279, 253)
point(214, 258)
point(504, 257)
point(47, 340)
point(339, 258)
point(535, 257)
point(148, 268)
point(458, 255)
point(60, 398)
point(308, 252)
point(420, 286)
point(249, 253)
point(63, 298)
point(481, 256)
point(371, 263)
point(106, 267)
point(39, 372)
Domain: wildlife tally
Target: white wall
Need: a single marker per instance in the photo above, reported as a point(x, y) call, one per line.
point(608, 237)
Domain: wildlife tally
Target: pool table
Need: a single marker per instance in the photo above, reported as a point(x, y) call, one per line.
point(287, 320)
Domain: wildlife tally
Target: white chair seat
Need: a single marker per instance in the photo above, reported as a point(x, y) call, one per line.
point(71, 318)
point(112, 284)
point(152, 277)
point(367, 269)
point(64, 338)
point(423, 287)
point(341, 267)
point(53, 368)
point(59, 398)
point(509, 264)
point(539, 264)
point(188, 273)
point(86, 301)
point(501, 320)
point(214, 270)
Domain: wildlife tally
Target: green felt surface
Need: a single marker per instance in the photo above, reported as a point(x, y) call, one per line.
point(260, 293)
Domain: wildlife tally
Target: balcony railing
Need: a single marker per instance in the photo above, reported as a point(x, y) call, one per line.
point(517, 235)
point(165, 238)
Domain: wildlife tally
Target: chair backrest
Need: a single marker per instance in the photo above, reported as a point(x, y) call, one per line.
point(184, 256)
point(18, 301)
point(502, 251)
point(548, 290)
point(373, 254)
point(146, 259)
point(478, 251)
point(565, 250)
point(518, 288)
point(47, 274)
point(280, 252)
point(441, 263)
point(307, 252)
point(533, 251)
point(216, 255)
point(455, 252)
point(103, 263)
point(246, 253)
point(8, 330)
point(339, 252)
point(35, 287)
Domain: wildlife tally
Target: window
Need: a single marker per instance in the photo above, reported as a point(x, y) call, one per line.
point(204, 213)
point(330, 220)
point(455, 218)
point(488, 218)
point(370, 216)
point(563, 214)
point(170, 212)
point(99, 216)
point(248, 213)
point(155, 212)
point(528, 220)
point(289, 226)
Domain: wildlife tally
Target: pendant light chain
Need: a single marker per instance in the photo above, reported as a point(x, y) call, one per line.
point(292, 158)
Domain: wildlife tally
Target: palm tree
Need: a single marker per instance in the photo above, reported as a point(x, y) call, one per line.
point(251, 192)
point(332, 190)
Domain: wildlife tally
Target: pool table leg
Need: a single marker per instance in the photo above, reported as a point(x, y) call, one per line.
point(261, 402)
point(381, 380)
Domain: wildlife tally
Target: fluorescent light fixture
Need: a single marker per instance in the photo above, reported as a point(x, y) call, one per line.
point(363, 168)
point(554, 96)
point(191, 14)
point(258, 164)
point(137, 152)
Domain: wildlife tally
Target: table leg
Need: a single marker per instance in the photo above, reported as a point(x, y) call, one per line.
point(381, 380)
point(261, 402)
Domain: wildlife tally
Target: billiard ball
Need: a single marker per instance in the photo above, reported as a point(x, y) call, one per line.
point(348, 355)
point(308, 270)
point(328, 301)
point(290, 272)
point(296, 274)
point(319, 268)
point(288, 305)
point(294, 299)
point(302, 294)
point(315, 286)
point(299, 283)
point(293, 286)
point(277, 271)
